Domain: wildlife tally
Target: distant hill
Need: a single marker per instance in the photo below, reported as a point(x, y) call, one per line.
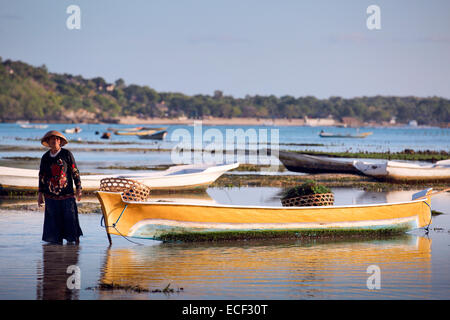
point(35, 94)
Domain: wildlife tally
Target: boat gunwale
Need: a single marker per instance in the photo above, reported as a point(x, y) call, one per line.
point(262, 207)
point(175, 173)
point(172, 171)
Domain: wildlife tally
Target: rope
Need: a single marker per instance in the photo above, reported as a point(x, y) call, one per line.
point(130, 190)
point(114, 226)
point(126, 238)
point(427, 228)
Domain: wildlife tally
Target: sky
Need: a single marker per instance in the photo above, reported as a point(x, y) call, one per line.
point(320, 48)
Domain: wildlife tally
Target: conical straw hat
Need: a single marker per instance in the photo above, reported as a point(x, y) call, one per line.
point(44, 140)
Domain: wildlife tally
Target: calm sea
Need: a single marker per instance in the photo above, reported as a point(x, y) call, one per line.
point(89, 149)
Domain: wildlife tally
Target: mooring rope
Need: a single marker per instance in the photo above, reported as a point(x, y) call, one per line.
point(427, 228)
point(114, 226)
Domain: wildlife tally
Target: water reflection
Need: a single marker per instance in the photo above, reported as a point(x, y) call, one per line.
point(52, 272)
point(271, 270)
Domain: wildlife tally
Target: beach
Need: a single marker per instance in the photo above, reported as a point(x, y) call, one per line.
point(211, 121)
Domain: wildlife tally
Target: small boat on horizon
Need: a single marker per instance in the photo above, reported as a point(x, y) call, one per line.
point(140, 132)
point(73, 130)
point(125, 129)
point(34, 126)
point(160, 135)
point(324, 134)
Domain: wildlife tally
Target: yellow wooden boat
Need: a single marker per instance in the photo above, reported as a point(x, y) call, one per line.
point(193, 222)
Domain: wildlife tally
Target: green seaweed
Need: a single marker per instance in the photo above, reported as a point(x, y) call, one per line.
point(134, 288)
point(277, 234)
point(330, 180)
point(407, 154)
point(307, 188)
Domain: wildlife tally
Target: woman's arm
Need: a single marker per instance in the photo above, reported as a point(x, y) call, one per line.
point(76, 176)
point(41, 182)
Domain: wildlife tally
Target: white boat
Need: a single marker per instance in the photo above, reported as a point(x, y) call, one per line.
point(34, 126)
point(174, 178)
point(323, 134)
point(404, 171)
point(73, 130)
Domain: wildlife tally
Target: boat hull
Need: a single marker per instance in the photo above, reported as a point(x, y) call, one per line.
point(137, 132)
point(154, 136)
point(335, 135)
point(399, 172)
point(299, 162)
point(170, 221)
point(186, 177)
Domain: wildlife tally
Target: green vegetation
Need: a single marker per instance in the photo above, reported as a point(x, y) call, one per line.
point(33, 93)
point(436, 213)
point(277, 234)
point(307, 188)
point(134, 288)
point(329, 180)
point(426, 155)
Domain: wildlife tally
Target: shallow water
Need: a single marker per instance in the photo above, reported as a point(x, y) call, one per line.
point(412, 266)
point(94, 155)
point(289, 137)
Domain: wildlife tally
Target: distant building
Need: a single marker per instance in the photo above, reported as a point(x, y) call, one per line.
point(351, 122)
point(162, 108)
point(412, 123)
point(313, 122)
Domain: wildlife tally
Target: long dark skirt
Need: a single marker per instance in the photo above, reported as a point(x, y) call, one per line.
point(61, 221)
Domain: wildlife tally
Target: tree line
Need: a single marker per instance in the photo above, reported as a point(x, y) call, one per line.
point(34, 93)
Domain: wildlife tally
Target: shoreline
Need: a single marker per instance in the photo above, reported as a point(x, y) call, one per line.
point(243, 121)
point(409, 155)
point(214, 121)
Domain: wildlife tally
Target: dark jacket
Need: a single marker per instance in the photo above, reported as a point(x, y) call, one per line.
point(58, 174)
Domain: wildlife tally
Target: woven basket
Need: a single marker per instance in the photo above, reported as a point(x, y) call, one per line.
point(319, 199)
point(131, 190)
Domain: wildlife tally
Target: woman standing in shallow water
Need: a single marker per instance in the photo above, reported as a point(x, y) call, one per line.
point(58, 172)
